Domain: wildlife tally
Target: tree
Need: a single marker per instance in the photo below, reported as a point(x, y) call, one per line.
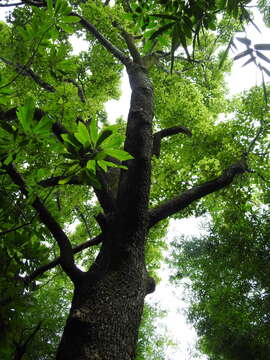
point(228, 269)
point(59, 154)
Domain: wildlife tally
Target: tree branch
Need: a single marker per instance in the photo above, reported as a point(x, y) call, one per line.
point(182, 201)
point(157, 137)
point(42, 269)
point(54, 180)
point(21, 348)
point(14, 229)
point(67, 258)
point(80, 90)
point(27, 71)
point(14, 4)
point(103, 41)
point(130, 44)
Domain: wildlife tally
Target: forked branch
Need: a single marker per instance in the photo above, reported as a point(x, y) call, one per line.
point(57, 261)
point(103, 41)
point(182, 201)
point(130, 44)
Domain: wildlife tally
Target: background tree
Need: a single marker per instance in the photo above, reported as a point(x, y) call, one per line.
point(226, 270)
point(61, 161)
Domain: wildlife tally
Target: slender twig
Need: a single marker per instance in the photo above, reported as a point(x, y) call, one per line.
point(42, 269)
point(14, 229)
point(29, 61)
point(26, 71)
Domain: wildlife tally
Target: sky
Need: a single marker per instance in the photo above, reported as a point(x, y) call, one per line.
point(168, 297)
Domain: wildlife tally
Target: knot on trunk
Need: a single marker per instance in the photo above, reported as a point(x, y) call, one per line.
point(150, 285)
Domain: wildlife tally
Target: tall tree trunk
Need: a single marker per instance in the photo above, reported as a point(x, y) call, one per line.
point(107, 307)
point(108, 300)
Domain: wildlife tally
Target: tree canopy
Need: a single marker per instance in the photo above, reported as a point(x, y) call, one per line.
point(62, 163)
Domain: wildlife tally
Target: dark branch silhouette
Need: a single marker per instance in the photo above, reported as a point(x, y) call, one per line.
point(157, 137)
point(182, 201)
point(42, 269)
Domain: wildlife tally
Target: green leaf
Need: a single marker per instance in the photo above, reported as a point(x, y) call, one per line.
point(64, 181)
point(175, 42)
point(103, 136)
point(68, 138)
point(50, 6)
point(57, 6)
point(25, 114)
point(225, 54)
point(164, 16)
point(161, 30)
point(93, 131)
point(43, 126)
point(111, 164)
point(113, 141)
point(102, 165)
point(92, 179)
point(91, 165)
point(82, 134)
point(118, 154)
point(67, 28)
point(70, 19)
point(100, 155)
point(9, 159)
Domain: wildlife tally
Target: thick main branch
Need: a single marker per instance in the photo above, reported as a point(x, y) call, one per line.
point(197, 192)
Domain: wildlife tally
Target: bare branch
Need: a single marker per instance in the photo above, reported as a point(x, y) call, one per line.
point(157, 137)
point(42, 269)
point(103, 41)
point(182, 201)
point(67, 258)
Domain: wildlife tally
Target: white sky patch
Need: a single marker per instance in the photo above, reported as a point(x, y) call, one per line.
point(173, 299)
point(118, 108)
point(242, 78)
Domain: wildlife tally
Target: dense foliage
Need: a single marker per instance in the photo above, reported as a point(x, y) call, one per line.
point(61, 159)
